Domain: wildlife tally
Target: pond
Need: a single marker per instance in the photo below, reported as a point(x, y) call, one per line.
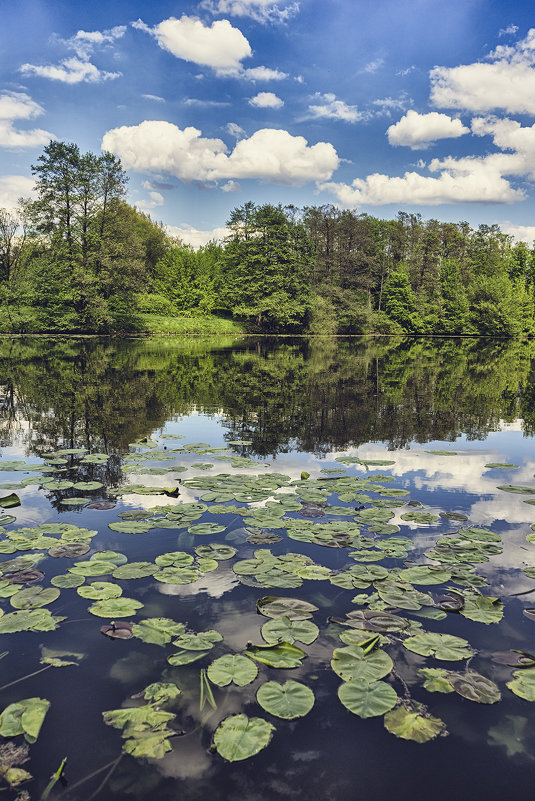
point(260, 569)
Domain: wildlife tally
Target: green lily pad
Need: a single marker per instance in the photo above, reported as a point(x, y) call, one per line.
point(34, 597)
point(474, 687)
point(424, 574)
point(24, 717)
point(88, 485)
point(206, 529)
point(239, 737)
point(28, 620)
point(442, 453)
point(424, 518)
point(353, 662)
point(131, 527)
point(501, 466)
point(522, 685)
point(9, 501)
point(216, 551)
point(174, 559)
point(411, 724)
point(133, 570)
point(100, 591)
point(67, 581)
point(185, 657)
point(483, 609)
point(115, 607)
point(519, 490)
point(281, 655)
point(441, 646)
point(177, 575)
point(57, 485)
point(436, 680)
point(367, 699)
point(157, 630)
point(283, 629)
point(93, 567)
point(293, 608)
point(203, 641)
point(288, 701)
point(232, 668)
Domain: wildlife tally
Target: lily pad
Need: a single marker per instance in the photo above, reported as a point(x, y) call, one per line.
point(283, 629)
point(115, 607)
point(239, 737)
point(232, 668)
point(70, 550)
point(281, 655)
point(203, 641)
point(216, 551)
point(24, 717)
point(293, 608)
point(441, 646)
point(9, 501)
point(34, 597)
point(206, 529)
point(483, 609)
point(522, 685)
point(288, 701)
point(131, 527)
point(100, 590)
point(134, 570)
point(353, 662)
point(518, 490)
point(157, 630)
point(412, 724)
point(474, 687)
point(367, 699)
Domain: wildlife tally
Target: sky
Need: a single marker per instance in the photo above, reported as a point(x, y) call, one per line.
point(379, 106)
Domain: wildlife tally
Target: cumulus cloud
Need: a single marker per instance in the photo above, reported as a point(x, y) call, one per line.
point(263, 74)
point(12, 187)
point(505, 81)
point(78, 68)
point(154, 200)
point(418, 131)
point(220, 45)
point(509, 31)
point(231, 186)
point(269, 154)
point(520, 233)
point(20, 106)
point(195, 237)
point(235, 130)
point(259, 10)
point(328, 107)
point(266, 100)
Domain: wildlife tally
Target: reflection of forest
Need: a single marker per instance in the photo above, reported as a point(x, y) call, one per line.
point(313, 394)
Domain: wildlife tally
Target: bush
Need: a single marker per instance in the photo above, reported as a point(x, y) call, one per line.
point(151, 303)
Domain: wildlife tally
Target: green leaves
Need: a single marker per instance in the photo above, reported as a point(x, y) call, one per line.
point(411, 724)
point(10, 501)
point(288, 701)
point(34, 597)
point(232, 668)
point(523, 683)
point(441, 646)
point(353, 662)
point(24, 717)
point(157, 630)
point(282, 655)
point(367, 699)
point(283, 629)
point(239, 737)
point(115, 607)
point(144, 729)
point(293, 608)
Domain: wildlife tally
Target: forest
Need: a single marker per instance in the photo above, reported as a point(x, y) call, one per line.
point(78, 258)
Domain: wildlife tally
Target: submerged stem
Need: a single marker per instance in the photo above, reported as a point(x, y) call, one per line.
point(28, 676)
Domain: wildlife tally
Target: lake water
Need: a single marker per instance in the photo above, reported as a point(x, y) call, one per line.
point(387, 430)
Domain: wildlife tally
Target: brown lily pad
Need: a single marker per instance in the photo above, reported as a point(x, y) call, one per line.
point(518, 659)
point(118, 630)
point(101, 505)
point(28, 576)
point(450, 602)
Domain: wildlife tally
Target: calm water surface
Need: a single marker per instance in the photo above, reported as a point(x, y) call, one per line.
point(299, 405)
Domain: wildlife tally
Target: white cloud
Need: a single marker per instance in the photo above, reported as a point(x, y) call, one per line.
point(231, 186)
point(20, 106)
point(509, 31)
point(70, 70)
point(219, 46)
point(263, 74)
point(195, 237)
point(329, 107)
point(260, 10)
point(472, 181)
point(418, 131)
point(156, 98)
point(195, 101)
point(235, 130)
point(84, 42)
point(388, 104)
point(373, 66)
point(155, 199)
point(507, 82)
point(406, 71)
point(12, 187)
point(521, 233)
point(269, 154)
point(78, 69)
point(266, 100)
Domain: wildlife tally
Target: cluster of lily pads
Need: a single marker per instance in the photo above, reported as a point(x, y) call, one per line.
point(396, 594)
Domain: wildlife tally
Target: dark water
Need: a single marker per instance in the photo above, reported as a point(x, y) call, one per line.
point(300, 403)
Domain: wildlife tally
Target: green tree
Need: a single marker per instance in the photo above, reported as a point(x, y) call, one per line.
point(400, 302)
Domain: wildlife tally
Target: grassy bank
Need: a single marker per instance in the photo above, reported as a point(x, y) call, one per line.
point(30, 320)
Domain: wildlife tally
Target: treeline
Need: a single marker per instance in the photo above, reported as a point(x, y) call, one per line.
point(79, 258)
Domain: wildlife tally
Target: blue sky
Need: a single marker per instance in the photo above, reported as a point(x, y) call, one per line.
point(377, 106)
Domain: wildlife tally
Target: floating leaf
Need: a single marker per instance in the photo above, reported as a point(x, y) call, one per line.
point(517, 489)
point(67, 581)
point(293, 608)
point(159, 692)
point(114, 607)
point(281, 655)
point(134, 570)
point(100, 591)
point(501, 466)
point(423, 518)
point(442, 453)
point(474, 687)
point(185, 657)
point(117, 630)
point(177, 575)
point(198, 642)
point(424, 574)
point(239, 737)
point(436, 680)
point(24, 717)
point(174, 559)
point(482, 609)
point(283, 629)
point(376, 621)
point(367, 699)
point(9, 501)
point(288, 701)
point(157, 630)
point(453, 516)
point(34, 597)
point(206, 528)
point(216, 551)
point(102, 506)
point(413, 724)
point(232, 668)
point(131, 527)
point(514, 658)
point(441, 646)
point(353, 662)
point(522, 685)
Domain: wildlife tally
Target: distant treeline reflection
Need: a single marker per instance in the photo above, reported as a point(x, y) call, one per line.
point(313, 394)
